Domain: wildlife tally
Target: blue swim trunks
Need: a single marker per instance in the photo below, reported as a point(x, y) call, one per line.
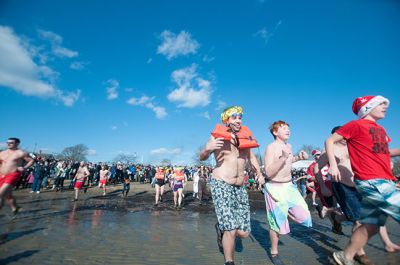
point(380, 199)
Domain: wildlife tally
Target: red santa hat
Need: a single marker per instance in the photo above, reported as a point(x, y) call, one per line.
point(315, 152)
point(363, 105)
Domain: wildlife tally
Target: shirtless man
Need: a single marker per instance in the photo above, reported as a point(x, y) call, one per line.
point(104, 176)
point(11, 170)
point(349, 199)
point(80, 178)
point(231, 145)
point(282, 198)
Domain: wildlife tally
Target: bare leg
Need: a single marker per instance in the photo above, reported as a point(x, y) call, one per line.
point(274, 238)
point(157, 193)
point(228, 243)
point(358, 239)
point(161, 192)
point(175, 198)
point(76, 193)
point(4, 192)
point(180, 191)
point(389, 245)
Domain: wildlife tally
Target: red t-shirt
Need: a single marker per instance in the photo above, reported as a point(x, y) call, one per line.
point(367, 143)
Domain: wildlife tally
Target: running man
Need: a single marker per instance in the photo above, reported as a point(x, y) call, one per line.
point(104, 176)
point(11, 169)
point(282, 198)
point(349, 198)
point(367, 144)
point(231, 144)
point(80, 178)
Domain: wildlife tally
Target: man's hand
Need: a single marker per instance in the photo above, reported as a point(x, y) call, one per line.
point(214, 144)
point(335, 173)
point(20, 169)
point(303, 155)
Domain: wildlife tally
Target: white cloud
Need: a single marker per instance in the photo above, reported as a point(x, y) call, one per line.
point(265, 34)
point(78, 65)
point(91, 152)
point(147, 102)
point(165, 151)
point(174, 45)
point(112, 87)
point(221, 105)
point(19, 72)
point(56, 44)
point(192, 91)
point(206, 115)
point(3, 145)
point(114, 127)
point(208, 59)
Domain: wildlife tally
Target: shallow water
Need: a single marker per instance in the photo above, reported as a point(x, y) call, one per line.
point(53, 230)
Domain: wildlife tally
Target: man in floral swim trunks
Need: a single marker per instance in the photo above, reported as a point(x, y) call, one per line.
point(231, 144)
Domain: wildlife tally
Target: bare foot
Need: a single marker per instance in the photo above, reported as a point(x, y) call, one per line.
point(392, 248)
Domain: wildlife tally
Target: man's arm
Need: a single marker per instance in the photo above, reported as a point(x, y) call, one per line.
point(212, 145)
point(329, 144)
point(255, 165)
point(273, 165)
point(394, 152)
point(29, 161)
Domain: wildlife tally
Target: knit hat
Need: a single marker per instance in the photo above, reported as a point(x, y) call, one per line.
point(363, 105)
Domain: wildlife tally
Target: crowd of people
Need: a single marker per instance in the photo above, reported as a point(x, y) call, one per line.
point(352, 179)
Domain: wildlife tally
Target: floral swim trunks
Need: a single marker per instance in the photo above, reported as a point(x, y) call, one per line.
point(231, 206)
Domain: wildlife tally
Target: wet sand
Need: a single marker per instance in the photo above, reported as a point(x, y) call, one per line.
point(114, 230)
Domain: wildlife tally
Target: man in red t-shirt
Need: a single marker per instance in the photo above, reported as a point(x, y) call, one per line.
point(369, 153)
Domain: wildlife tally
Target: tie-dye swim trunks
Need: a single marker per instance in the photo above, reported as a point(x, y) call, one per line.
point(282, 200)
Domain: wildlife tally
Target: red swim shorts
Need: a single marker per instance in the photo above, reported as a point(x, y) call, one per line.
point(11, 178)
point(103, 181)
point(79, 185)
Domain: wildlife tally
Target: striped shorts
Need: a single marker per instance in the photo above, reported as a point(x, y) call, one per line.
point(380, 199)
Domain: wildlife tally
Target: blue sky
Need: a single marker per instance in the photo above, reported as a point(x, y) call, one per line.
point(151, 77)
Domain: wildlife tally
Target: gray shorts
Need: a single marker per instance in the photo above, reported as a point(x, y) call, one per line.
point(231, 206)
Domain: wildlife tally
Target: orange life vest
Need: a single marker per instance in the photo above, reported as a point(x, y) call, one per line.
point(244, 136)
point(179, 176)
point(160, 174)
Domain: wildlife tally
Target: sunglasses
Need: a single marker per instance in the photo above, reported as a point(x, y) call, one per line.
point(235, 115)
point(10, 142)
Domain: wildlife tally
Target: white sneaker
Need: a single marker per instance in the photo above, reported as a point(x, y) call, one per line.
point(38, 192)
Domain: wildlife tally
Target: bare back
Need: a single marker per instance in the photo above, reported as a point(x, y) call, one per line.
point(10, 160)
point(230, 163)
point(344, 164)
